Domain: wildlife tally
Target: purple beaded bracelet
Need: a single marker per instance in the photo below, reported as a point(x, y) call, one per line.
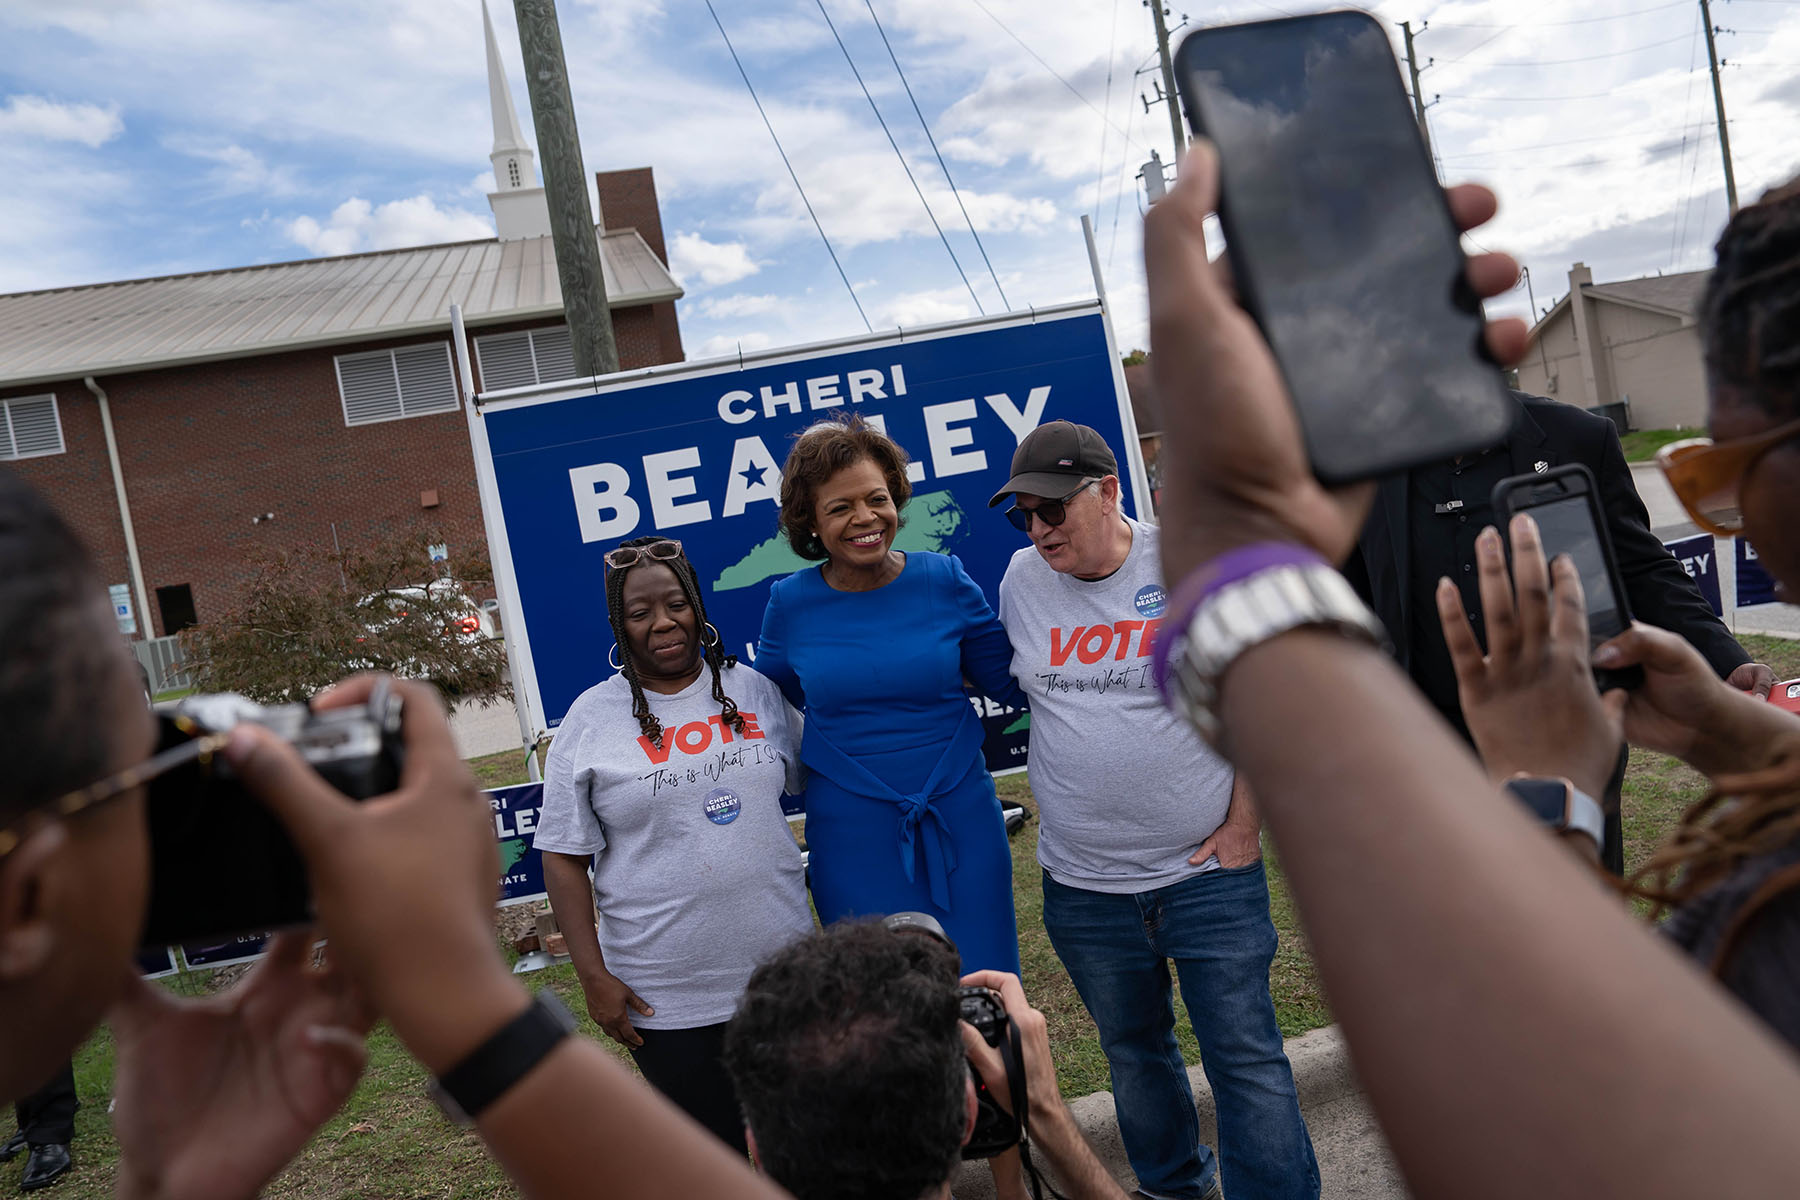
point(1206, 580)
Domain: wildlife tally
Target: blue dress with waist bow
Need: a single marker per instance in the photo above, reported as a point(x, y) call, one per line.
point(900, 810)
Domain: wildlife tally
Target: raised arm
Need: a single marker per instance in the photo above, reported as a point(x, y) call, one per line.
point(1517, 1031)
point(986, 651)
point(422, 859)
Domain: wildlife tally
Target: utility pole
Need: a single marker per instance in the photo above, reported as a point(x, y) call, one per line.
point(1412, 65)
point(1712, 57)
point(565, 189)
point(1157, 13)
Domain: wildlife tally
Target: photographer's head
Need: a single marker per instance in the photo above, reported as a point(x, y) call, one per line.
point(72, 890)
point(848, 1057)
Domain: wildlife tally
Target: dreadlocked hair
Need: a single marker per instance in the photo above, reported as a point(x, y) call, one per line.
point(1750, 314)
point(713, 653)
point(1742, 817)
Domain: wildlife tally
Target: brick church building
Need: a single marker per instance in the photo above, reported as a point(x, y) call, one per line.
point(187, 424)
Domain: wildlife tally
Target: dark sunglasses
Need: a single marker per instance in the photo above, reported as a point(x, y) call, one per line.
point(1051, 512)
point(203, 746)
point(667, 550)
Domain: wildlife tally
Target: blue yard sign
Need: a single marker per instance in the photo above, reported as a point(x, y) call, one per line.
point(1754, 583)
point(515, 812)
point(694, 452)
point(1699, 557)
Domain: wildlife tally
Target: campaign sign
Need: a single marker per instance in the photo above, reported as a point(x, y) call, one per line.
point(225, 953)
point(515, 812)
point(1699, 557)
point(1754, 584)
point(694, 452)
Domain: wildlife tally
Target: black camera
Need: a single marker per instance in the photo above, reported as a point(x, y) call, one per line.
point(996, 1130)
point(220, 862)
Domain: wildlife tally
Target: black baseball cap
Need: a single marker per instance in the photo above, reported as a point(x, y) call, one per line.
point(1055, 457)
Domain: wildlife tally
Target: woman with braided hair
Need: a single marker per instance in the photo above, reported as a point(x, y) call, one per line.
point(1728, 877)
point(668, 777)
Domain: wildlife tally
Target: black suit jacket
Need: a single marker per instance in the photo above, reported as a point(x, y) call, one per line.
point(1657, 588)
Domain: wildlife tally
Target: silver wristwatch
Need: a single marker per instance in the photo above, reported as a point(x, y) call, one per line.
point(1253, 610)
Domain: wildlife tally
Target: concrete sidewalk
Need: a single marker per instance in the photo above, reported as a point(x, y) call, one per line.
point(1354, 1163)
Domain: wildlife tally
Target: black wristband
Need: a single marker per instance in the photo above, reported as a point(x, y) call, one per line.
point(505, 1058)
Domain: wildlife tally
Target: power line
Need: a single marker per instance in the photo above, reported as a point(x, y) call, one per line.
point(1686, 107)
point(1040, 61)
point(1111, 47)
point(992, 274)
point(1636, 12)
point(917, 190)
point(1461, 96)
point(745, 75)
point(1553, 62)
point(1601, 137)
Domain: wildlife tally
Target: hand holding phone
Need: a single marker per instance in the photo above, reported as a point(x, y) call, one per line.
point(1565, 503)
point(1529, 700)
point(1341, 244)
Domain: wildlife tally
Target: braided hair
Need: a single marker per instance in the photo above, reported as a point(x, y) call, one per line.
point(714, 654)
point(1750, 326)
point(1750, 315)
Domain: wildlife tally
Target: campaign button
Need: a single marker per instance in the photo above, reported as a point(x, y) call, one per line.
point(1149, 601)
point(722, 806)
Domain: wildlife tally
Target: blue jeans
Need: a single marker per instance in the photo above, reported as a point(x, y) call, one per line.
point(1216, 927)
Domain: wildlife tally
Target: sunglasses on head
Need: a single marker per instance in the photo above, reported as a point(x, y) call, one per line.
point(667, 550)
point(1051, 512)
point(1705, 476)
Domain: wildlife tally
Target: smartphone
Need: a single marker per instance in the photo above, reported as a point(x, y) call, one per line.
point(1566, 506)
point(220, 862)
point(1341, 242)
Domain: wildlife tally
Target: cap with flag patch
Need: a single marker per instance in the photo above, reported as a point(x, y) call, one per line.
point(1054, 458)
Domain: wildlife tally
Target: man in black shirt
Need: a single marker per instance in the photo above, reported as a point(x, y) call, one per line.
point(1423, 528)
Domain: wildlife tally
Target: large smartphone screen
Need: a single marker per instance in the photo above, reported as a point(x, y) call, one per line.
point(1342, 242)
point(1567, 527)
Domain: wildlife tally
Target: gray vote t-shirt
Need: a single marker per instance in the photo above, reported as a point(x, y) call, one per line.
point(1126, 790)
point(697, 877)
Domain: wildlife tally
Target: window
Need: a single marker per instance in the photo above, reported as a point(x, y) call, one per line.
point(386, 385)
point(512, 170)
point(521, 359)
point(177, 605)
point(30, 427)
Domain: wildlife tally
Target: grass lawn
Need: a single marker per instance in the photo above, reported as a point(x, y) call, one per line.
point(390, 1142)
point(1641, 445)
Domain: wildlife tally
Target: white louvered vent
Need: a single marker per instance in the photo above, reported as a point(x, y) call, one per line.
point(30, 427)
point(529, 356)
point(554, 352)
point(386, 385)
point(505, 360)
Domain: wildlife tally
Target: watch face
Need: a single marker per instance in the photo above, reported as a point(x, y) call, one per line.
point(1547, 799)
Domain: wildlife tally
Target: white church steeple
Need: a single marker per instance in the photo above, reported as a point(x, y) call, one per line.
point(520, 210)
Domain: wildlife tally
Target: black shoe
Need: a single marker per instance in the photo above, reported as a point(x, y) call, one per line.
point(10, 1149)
point(46, 1165)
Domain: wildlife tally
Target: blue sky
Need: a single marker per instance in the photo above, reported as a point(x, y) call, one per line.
point(141, 138)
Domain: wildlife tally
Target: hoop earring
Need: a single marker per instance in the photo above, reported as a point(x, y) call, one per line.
point(715, 636)
point(612, 650)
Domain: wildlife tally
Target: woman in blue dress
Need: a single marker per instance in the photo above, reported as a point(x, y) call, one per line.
point(874, 645)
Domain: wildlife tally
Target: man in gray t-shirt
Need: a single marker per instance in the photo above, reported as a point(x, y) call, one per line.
point(1149, 852)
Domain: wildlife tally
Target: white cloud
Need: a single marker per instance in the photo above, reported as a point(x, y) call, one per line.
point(237, 170)
point(356, 225)
point(92, 125)
point(725, 344)
point(724, 307)
point(912, 309)
point(714, 264)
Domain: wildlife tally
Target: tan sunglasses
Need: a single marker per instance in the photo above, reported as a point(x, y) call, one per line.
point(667, 550)
point(203, 746)
point(1706, 476)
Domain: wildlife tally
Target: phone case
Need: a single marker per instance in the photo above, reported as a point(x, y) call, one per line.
point(1335, 459)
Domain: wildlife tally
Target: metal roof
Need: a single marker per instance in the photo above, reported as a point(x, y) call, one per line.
point(106, 328)
point(1676, 294)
